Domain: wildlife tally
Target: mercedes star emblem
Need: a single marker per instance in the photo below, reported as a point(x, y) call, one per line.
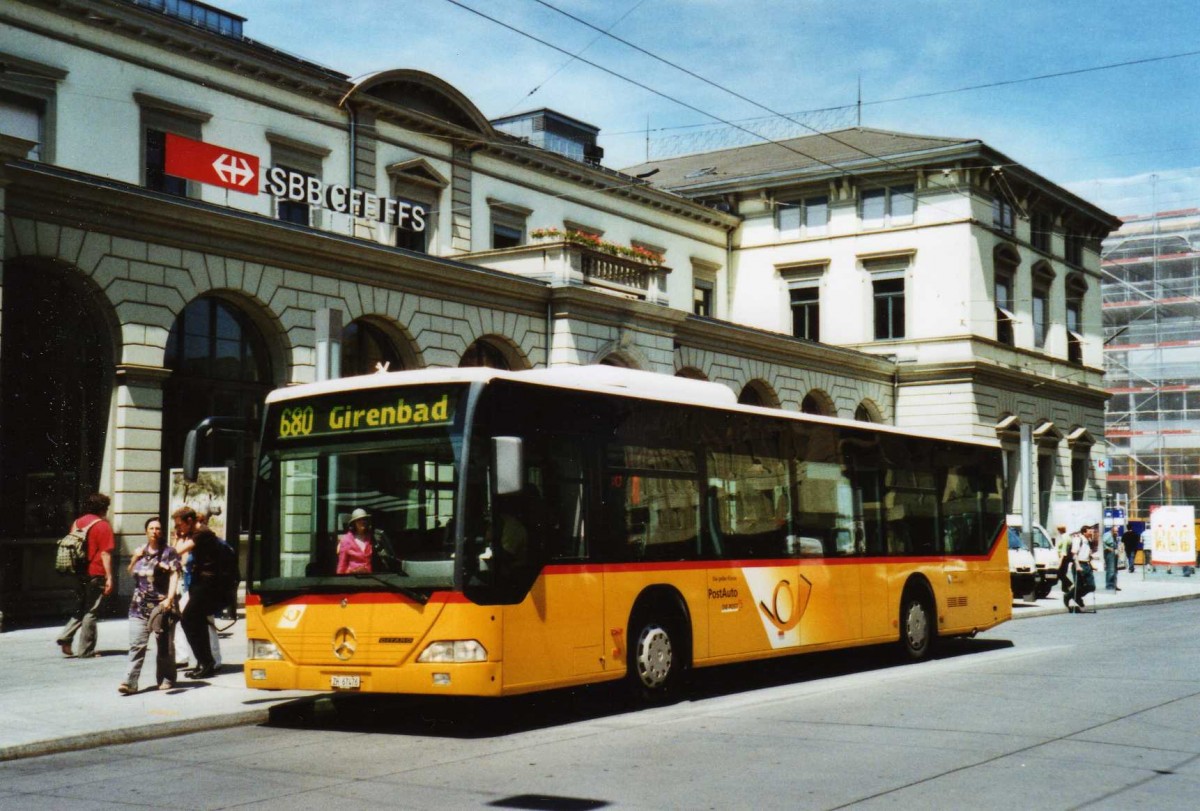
point(344, 643)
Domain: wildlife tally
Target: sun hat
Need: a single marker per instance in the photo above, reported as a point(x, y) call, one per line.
point(356, 515)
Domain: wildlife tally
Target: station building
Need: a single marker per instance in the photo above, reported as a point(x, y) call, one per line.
point(192, 218)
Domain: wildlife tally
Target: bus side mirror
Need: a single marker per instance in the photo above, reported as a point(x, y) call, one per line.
point(508, 464)
point(191, 463)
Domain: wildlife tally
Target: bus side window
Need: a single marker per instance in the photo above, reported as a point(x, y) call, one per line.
point(564, 489)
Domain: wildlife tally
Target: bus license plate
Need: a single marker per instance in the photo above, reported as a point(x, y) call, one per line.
point(345, 682)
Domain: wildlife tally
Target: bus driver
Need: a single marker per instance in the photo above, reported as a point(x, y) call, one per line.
point(355, 548)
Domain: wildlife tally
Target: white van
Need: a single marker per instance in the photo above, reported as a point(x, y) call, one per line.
point(1022, 569)
point(1045, 554)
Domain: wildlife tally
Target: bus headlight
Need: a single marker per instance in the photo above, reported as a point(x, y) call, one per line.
point(262, 649)
point(458, 650)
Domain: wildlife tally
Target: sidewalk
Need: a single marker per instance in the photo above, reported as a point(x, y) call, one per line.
point(49, 703)
point(1139, 588)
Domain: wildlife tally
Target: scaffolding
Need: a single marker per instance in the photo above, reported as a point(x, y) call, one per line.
point(1151, 301)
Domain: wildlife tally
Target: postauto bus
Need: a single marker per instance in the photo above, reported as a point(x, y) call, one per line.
point(539, 529)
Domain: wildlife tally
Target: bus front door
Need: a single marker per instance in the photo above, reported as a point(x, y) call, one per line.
point(556, 634)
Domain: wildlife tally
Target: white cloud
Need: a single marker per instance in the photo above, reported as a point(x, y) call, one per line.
point(1145, 193)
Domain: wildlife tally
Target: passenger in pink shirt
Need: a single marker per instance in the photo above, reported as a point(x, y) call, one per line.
point(355, 547)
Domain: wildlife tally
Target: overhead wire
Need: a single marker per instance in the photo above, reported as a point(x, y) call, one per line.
point(718, 86)
point(564, 65)
point(964, 89)
point(840, 169)
point(646, 87)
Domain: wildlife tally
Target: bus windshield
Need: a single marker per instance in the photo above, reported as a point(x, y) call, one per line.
point(357, 491)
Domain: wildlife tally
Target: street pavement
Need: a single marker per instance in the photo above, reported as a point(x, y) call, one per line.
point(50, 703)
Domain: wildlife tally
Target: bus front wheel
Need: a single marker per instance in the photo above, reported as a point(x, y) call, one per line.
point(916, 626)
point(656, 657)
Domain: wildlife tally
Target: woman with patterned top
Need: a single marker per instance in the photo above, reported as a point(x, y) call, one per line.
point(355, 547)
point(156, 570)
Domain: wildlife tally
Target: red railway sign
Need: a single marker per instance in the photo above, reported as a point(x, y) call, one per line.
point(212, 164)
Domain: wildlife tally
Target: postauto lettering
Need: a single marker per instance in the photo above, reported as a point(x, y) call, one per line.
point(285, 184)
point(324, 418)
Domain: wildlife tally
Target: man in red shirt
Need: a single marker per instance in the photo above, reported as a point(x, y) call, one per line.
point(97, 584)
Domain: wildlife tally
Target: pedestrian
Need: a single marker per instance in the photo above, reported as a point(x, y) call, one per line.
point(1147, 540)
point(214, 638)
point(96, 584)
point(1130, 540)
point(1083, 551)
point(181, 546)
point(204, 596)
point(156, 572)
point(1064, 562)
point(1112, 546)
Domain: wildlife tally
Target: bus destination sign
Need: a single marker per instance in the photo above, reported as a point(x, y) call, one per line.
point(370, 411)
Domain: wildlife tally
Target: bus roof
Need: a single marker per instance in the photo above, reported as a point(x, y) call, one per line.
point(594, 378)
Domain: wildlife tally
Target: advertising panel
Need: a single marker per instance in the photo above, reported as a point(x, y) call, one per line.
point(208, 495)
point(1172, 536)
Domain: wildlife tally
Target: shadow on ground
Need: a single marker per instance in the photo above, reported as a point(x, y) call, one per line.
point(486, 718)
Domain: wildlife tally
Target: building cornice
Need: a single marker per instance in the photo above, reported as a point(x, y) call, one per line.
point(976, 372)
point(713, 335)
point(280, 71)
point(37, 192)
point(982, 155)
point(602, 308)
point(241, 55)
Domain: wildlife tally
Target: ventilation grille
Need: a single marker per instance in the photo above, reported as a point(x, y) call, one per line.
point(956, 602)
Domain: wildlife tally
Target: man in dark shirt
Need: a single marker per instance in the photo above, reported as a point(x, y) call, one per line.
point(1130, 541)
point(204, 593)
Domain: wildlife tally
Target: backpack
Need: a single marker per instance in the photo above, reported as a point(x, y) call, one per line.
point(71, 556)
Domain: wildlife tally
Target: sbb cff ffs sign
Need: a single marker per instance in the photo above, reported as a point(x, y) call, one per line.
point(221, 166)
point(212, 164)
point(285, 184)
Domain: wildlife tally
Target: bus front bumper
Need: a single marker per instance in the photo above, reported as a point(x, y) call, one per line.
point(468, 679)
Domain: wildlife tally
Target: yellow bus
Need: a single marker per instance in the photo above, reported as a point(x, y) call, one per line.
point(547, 528)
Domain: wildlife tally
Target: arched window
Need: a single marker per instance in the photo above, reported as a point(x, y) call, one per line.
point(219, 368)
point(364, 347)
point(56, 376)
point(863, 413)
point(817, 402)
point(485, 353)
point(751, 396)
point(758, 392)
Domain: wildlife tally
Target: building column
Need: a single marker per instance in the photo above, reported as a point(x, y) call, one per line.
point(136, 459)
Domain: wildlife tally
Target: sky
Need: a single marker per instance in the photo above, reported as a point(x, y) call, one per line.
point(1116, 120)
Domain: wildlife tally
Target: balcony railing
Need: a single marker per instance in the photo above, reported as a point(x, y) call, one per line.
point(606, 270)
point(568, 263)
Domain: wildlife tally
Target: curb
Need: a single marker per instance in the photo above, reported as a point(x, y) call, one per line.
point(1058, 609)
point(146, 732)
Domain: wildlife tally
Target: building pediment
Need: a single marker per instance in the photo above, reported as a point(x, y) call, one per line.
point(421, 93)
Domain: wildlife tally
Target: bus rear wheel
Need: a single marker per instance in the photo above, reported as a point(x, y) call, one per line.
point(655, 657)
point(916, 626)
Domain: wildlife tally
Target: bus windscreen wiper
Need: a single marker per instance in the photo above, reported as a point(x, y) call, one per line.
point(416, 595)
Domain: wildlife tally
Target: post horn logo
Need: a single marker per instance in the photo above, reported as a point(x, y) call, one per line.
point(785, 614)
point(344, 643)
